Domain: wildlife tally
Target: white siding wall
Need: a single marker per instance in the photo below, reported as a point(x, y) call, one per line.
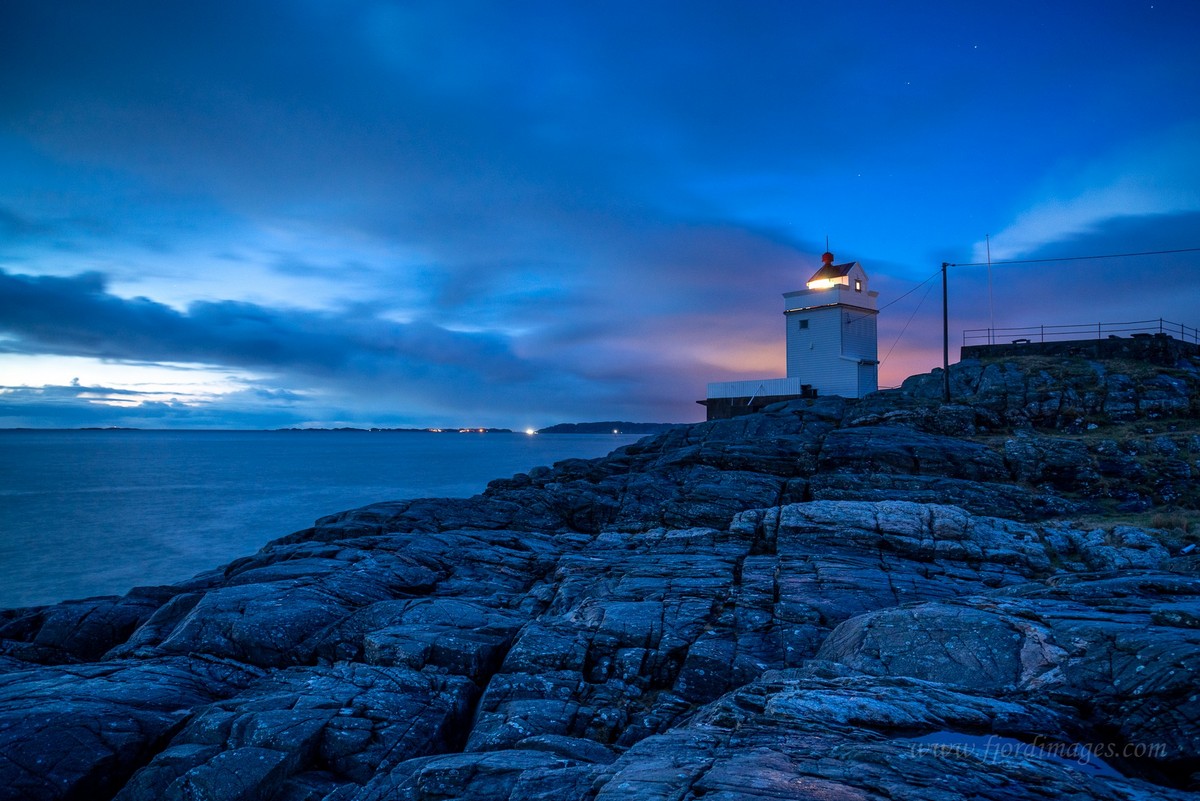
point(814, 354)
point(857, 273)
point(859, 338)
point(827, 353)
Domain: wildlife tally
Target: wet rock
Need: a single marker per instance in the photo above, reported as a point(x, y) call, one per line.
point(349, 721)
point(1061, 463)
point(875, 449)
point(79, 630)
point(459, 636)
point(277, 623)
point(1121, 547)
point(946, 642)
point(789, 735)
point(1111, 461)
point(980, 497)
point(80, 731)
point(613, 638)
point(1096, 644)
point(497, 776)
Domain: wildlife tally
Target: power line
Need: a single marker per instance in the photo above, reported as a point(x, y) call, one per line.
point(897, 300)
point(910, 317)
point(909, 292)
point(1076, 258)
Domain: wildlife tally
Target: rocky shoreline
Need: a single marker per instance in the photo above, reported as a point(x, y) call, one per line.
point(889, 598)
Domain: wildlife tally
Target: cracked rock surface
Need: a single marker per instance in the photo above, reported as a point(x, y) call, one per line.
point(888, 598)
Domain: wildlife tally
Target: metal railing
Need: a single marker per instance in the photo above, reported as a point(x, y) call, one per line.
point(1058, 333)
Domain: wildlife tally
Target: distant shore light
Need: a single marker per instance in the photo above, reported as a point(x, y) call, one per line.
point(530, 431)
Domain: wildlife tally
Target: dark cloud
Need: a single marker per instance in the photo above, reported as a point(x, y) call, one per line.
point(76, 390)
point(1097, 290)
point(416, 363)
point(77, 316)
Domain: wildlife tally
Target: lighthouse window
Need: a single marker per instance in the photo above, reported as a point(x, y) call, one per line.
point(803, 324)
point(857, 285)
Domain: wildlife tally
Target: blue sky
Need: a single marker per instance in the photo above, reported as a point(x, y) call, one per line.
point(264, 214)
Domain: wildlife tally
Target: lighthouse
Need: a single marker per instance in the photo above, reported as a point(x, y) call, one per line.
point(832, 345)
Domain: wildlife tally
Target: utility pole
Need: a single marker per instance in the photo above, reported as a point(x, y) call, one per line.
point(945, 338)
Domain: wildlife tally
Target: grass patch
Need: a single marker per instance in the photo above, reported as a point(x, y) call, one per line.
point(1179, 527)
point(1076, 367)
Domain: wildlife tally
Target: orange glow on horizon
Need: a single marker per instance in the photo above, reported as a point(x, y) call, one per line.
point(759, 359)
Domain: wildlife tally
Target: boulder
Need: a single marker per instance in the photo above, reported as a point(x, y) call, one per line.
point(80, 731)
point(349, 721)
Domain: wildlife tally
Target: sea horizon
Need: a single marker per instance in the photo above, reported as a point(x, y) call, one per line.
point(447, 429)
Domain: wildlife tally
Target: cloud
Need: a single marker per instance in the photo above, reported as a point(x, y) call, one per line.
point(76, 406)
point(1068, 293)
point(77, 316)
point(491, 137)
point(1078, 292)
point(16, 226)
point(353, 360)
point(1158, 177)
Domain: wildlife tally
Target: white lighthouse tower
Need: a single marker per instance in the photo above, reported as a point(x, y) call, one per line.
point(832, 347)
point(832, 343)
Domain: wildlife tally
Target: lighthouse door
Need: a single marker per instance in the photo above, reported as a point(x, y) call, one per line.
point(868, 378)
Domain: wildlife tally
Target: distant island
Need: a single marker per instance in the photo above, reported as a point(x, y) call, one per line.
point(608, 427)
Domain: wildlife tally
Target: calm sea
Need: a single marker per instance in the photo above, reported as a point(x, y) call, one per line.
point(98, 512)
